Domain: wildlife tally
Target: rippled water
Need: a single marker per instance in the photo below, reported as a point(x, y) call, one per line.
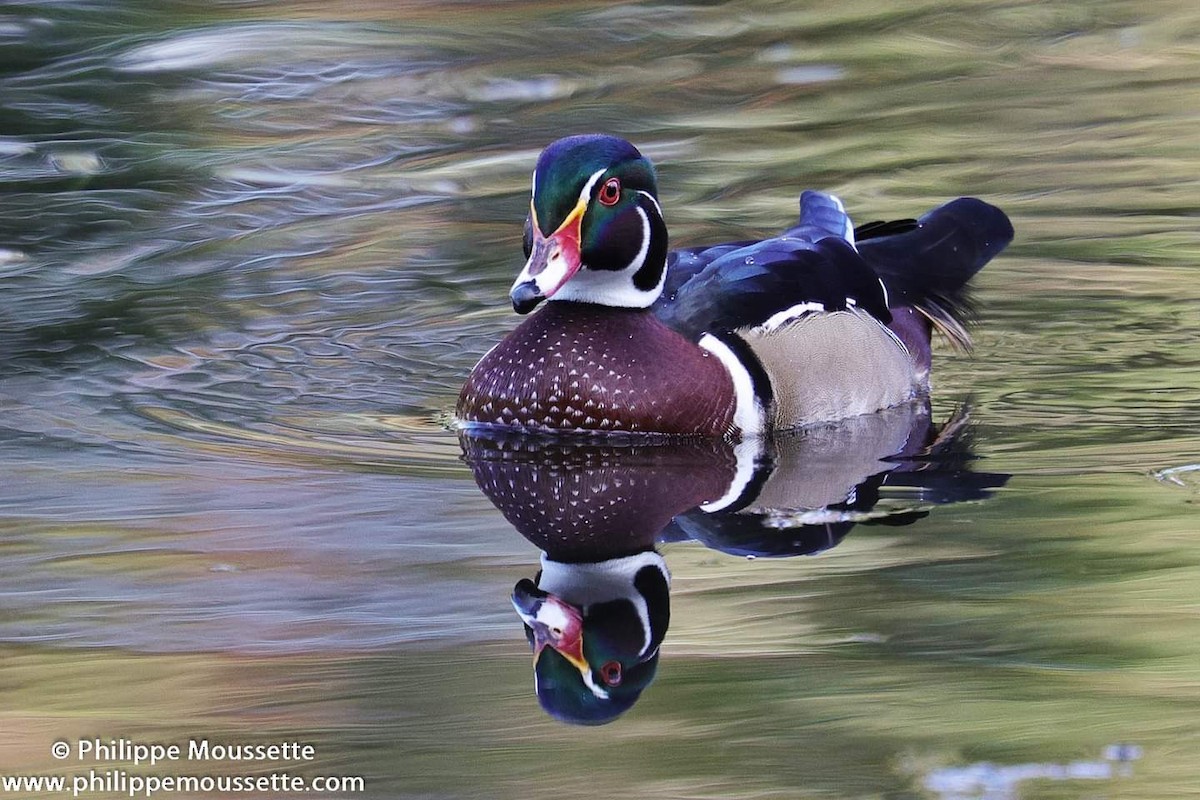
point(249, 251)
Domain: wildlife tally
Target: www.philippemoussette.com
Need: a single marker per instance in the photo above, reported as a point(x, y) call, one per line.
point(116, 766)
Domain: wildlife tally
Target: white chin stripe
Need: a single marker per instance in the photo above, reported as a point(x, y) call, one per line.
point(748, 415)
point(606, 289)
point(585, 584)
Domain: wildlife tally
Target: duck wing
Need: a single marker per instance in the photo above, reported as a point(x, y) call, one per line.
point(812, 265)
point(924, 264)
point(747, 286)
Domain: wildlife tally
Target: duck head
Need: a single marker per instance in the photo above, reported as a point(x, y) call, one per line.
point(595, 630)
point(595, 231)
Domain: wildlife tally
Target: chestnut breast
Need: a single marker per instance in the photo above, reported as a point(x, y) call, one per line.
point(583, 367)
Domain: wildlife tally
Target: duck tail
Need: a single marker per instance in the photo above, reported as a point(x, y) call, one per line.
point(927, 264)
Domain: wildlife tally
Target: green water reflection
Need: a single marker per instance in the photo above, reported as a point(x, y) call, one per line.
point(248, 251)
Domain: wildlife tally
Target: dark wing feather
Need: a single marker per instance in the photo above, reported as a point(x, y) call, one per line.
point(745, 286)
point(821, 216)
point(683, 265)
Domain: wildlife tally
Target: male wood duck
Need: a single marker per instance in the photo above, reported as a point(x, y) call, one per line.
point(819, 323)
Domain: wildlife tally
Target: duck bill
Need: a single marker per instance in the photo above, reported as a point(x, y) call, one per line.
point(552, 262)
point(555, 623)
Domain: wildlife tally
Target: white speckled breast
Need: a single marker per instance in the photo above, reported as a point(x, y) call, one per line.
point(583, 367)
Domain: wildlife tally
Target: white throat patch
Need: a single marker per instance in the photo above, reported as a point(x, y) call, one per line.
point(614, 287)
point(587, 584)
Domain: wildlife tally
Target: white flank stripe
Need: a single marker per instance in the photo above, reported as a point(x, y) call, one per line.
point(781, 318)
point(748, 452)
point(887, 330)
point(747, 414)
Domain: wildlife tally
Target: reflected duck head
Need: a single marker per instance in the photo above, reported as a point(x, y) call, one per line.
point(595, 630)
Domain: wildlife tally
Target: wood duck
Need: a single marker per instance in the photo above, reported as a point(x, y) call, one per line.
point(821, 322)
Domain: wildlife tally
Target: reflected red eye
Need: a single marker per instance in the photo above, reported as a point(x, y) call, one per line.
point(610, 673)
point(610, 191)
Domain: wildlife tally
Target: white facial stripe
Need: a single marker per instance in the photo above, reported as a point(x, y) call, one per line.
point(589, 681)
point(748, 414)
point(601, 694)
point(585, 195)
point(651, 198)
point(640, 258)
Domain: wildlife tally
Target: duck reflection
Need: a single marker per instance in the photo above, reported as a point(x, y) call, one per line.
point(596, 612)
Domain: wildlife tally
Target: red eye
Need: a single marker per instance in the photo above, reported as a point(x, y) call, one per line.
point(610, 673)
point(610, 192)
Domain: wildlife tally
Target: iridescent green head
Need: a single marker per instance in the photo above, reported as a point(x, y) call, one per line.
point(595, 231)
point(595, 629)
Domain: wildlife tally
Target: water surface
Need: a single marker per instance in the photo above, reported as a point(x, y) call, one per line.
point(249, 251)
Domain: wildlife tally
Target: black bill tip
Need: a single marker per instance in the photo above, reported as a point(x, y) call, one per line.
point(527, 596)
point(525, 297)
